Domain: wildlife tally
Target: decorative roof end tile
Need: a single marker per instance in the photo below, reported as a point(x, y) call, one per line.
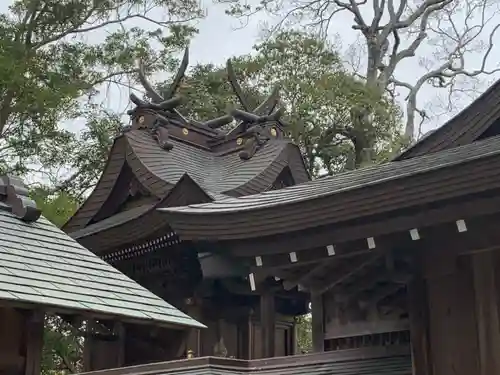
point(15, 196)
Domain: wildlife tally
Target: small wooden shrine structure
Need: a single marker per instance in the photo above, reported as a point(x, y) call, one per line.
point(43, 271)
point(165, 160)
point(401, 253)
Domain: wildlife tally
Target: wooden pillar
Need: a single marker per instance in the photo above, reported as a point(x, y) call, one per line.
point(318, 322)
point(453, 332)
point(268, 324)
point(34, 342)
point(244, 339)
point(21, 341)
point(419, 324)
point(193, 341)
point(484, 267)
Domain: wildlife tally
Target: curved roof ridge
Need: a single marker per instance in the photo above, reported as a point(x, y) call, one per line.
point(214, 174)
point(349, 180)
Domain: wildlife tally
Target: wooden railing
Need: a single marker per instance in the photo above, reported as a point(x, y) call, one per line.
point(370, 361)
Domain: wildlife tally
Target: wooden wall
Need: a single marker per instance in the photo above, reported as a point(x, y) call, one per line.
point(352, 321)
point(243, 339)
point(21, 341)
point(459, 331)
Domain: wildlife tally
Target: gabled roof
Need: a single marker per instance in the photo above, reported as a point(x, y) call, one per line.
point(471, 124)
point(161, 147)
point(345, 196)
point(218, 176)
point(137, 223)
point(42, 266)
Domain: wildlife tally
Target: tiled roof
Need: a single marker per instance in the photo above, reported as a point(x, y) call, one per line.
point(41, 265)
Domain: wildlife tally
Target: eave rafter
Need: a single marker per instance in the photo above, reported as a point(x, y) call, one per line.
point(395, 256)
point(321, 239)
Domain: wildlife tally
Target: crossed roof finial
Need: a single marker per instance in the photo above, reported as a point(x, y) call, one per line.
point(168, 101)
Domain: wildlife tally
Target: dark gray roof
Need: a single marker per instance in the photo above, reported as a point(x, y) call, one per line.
point(41, 265)
point(215, 174)
point(351, 180)
point(113, 221)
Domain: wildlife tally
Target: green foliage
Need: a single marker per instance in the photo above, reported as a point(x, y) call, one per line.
point(56, 207)
point(63, 348)
point(208, 92)
point(50, 74)
point(304, 333)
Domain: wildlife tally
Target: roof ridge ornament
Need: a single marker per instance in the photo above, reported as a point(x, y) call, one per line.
point(155, 110)
point(15, 195)
point(168, 101)
point(256, 124)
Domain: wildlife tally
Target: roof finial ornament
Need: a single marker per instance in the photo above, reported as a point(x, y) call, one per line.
point(16, 196)
point(166, 102)
point(161, 106)
point(263, 111)
point(254, 123)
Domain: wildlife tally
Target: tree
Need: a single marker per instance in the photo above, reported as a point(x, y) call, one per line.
point(443, 36)
point(319, 94)
point(304, 333)
point(50, 74)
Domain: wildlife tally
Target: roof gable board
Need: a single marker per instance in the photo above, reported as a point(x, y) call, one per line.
point(471, 124)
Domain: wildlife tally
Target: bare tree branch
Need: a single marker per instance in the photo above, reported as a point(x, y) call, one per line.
point(445, 37)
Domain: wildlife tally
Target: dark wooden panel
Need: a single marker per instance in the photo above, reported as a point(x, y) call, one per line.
point(453, 332)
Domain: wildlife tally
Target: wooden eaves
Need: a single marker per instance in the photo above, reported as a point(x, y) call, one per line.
point(338, 200)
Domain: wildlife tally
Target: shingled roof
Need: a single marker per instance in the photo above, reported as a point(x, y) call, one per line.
point(340, 197)
point(41, 265)
point(163, 152)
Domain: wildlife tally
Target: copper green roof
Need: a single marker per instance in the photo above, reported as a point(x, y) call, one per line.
point(41, 265)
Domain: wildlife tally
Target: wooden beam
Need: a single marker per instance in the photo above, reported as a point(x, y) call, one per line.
point(318, 322)
point(482, 234)
point(362, 328)
point(387, 224)
point(278, 262)
point(347, 273)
